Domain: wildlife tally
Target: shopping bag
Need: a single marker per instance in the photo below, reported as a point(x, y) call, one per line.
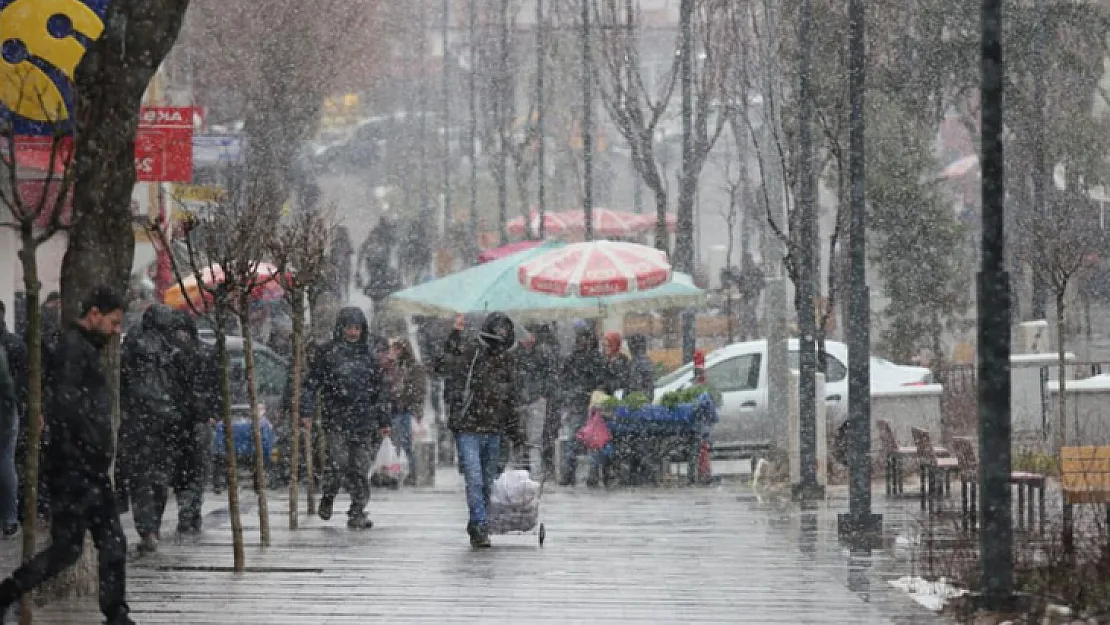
point(595, 434)
point(514, 488)
point(389, 463)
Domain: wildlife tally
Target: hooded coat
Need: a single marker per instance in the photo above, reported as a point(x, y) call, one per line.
point(583, 373)
point(155, 389)
point(201, 370)
point(480, 385)
point(347, 378)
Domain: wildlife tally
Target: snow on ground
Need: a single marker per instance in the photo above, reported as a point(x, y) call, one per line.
point(931, 595)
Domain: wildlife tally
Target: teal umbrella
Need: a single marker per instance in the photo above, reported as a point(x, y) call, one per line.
point(495, 286)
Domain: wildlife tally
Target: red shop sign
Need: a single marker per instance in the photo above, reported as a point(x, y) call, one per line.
point(164, 144)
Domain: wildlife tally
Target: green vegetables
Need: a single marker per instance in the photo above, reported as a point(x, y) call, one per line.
point(633, 401)
point(689, 395)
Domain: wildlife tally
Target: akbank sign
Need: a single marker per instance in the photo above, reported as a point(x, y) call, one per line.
point(41, 44)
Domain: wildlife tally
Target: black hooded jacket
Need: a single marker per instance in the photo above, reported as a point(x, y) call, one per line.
point(80, 414)
point(480, 385)
point(201, 372)
point(348, 381)
point(154, 388)
point(583, 373)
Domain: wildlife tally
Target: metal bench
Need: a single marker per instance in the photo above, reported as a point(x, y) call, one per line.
point(1084, 479)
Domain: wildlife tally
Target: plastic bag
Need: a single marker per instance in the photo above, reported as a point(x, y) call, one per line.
point(514, 504)
point(595, 434)
point(514, 488)
point(390, 463)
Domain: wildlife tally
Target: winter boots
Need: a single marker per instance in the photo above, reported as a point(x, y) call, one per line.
point(479, 536)
point(359, 521)
point(326, 504)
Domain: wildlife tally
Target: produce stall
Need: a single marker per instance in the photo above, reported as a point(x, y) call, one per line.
point(647, 437)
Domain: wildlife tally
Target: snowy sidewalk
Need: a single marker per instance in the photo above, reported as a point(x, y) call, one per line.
point(647, 556)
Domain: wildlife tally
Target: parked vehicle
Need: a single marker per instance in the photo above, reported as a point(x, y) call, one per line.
point(270, 375)
point(739, 373)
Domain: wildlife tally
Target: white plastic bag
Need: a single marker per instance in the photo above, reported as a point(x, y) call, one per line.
point(390, 463)
point(514, 504)
point(514, 488)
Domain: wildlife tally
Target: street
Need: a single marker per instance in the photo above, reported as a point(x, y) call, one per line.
point(684, 555)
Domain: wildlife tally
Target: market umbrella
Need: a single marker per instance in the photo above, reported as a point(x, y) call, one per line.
point(486, 256)
point(596, 268)
point(553, 223)
point(189, 290)
point(495, 286)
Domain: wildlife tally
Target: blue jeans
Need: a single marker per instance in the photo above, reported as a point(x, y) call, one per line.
point(478, 457)
point(9, 481)
point(402, 439)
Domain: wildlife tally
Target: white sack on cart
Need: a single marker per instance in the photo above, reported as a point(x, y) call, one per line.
point(514, 489)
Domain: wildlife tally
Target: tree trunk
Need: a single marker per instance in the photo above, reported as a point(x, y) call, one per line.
point(240, 559)
point(1061, 362)
point(261, 481)
point(110, 82)
point(295, 406)
point(34, 407)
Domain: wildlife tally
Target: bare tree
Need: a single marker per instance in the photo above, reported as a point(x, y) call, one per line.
point(635, 107)
point(35, 220)
point(1062, 244)
point(227, 240)
point(300, 253)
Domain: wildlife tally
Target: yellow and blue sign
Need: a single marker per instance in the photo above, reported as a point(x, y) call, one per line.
point(41, 43)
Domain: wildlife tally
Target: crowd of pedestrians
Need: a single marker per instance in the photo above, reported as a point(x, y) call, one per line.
point(498, 390)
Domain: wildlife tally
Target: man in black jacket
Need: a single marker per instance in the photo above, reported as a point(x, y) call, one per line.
point(347, 378)
point(79, 460)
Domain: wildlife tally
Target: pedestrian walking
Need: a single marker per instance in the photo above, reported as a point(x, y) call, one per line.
point(480, 390)
point(9, 426)
point(347, 378)
point(409, 386)
point(583, 373)
point(79, 458)
point(194, 437)
point(548, 362)
point(154, 398)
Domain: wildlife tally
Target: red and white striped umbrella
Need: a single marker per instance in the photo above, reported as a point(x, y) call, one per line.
point(595, 269)
point(553, 223)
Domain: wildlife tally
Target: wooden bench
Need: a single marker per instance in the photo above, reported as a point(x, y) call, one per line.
point(737, 450)
point(1084, 479)
point(1031, 484)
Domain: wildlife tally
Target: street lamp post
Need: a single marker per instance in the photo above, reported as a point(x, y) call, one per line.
point(587, 124)
point(859, 527)
point(996, 537)
point(807, 488)
point(541, 148)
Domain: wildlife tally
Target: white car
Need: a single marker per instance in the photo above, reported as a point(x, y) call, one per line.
point(739, 373)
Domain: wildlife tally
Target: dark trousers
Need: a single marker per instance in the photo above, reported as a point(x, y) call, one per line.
point(149, 482)
point(552, 421)
point(79, 509)
point(190, 476)
point(349, 458)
